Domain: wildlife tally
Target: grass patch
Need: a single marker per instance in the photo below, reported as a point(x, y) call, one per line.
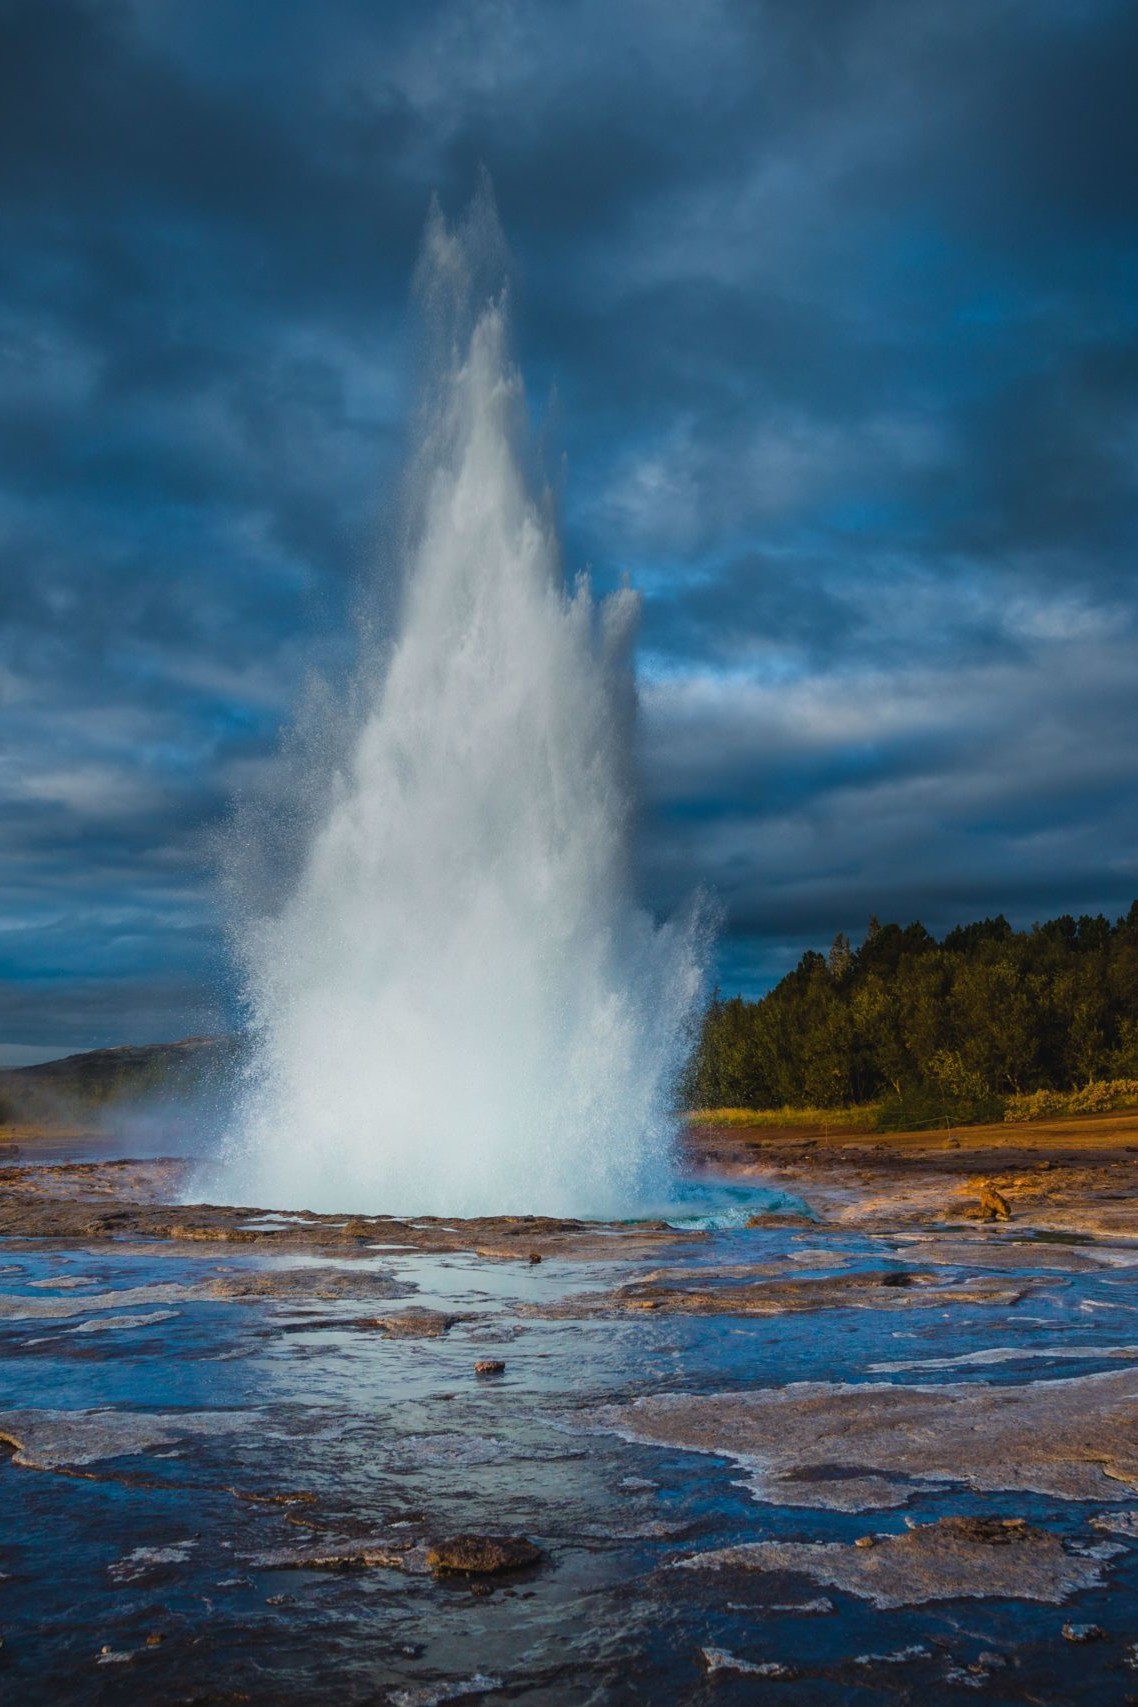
point(923, 1110)
point(860, 1118)
point(929, 1111)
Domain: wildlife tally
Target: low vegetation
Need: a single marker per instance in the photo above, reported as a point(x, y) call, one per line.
point(862, 1118)
point(1101, 1096)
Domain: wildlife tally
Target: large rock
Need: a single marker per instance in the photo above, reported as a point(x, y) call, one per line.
point(482, 1555)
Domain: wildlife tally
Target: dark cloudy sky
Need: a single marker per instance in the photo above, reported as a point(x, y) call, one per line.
point(839, 303)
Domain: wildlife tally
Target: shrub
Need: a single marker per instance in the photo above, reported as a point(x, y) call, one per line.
point(1101, 1096)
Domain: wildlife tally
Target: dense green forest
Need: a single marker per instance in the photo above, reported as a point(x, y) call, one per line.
point(957, 1025)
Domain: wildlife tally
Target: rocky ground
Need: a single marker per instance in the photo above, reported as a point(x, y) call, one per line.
point(869, 1432)
point(1071, 1176)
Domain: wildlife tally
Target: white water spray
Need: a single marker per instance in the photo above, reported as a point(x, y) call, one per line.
point(461, 1010)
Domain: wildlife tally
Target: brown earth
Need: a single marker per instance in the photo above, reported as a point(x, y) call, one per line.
point(84, 1203)
point(1074, 1174)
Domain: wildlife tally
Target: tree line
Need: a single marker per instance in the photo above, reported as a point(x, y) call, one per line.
point(986, 1013)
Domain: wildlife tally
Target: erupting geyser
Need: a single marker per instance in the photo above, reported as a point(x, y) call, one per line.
point(461, 1009)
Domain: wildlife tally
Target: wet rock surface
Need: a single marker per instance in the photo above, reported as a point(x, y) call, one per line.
point(384, 1552)
point(416, 1324)
point(1076, 1439)
point(718, 1659)
point(258, 1444)
point(744, 1295)
point(954, 1558)
point(136, 1200)
point(482, 1555)
point(58, 1440)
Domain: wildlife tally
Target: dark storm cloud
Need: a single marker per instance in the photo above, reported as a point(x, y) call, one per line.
point(838, 299)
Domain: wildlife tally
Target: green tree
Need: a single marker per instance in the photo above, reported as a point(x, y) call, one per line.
point(988, 1010)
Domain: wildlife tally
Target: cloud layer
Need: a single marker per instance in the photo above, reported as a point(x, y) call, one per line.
point(838, 302)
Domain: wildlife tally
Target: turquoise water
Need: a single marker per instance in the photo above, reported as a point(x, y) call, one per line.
point(713, 1206)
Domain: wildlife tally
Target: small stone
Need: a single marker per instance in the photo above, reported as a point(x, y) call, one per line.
point(155, 1639)
point(993, 1203)
point(489, 1366)
point(1083, 1632)
point(358, 1228)
point(416, 1324)
point(866, 1541)
point(535, 1256)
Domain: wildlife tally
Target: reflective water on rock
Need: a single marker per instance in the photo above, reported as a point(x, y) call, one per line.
point(229, 1478)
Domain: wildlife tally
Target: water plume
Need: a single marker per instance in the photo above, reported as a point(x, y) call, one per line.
point(460, 1008)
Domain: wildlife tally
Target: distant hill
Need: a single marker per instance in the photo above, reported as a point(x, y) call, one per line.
point(98, 1077)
